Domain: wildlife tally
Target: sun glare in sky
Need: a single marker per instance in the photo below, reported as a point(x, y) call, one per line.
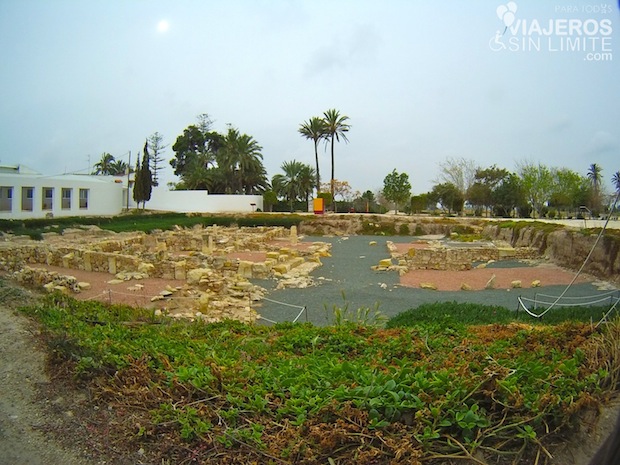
point(163, 26)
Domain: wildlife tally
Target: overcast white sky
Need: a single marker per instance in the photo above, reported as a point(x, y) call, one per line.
point(420, 80)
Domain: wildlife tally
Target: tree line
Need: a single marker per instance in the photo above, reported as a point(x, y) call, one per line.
point(534, 190)
point(232, 163)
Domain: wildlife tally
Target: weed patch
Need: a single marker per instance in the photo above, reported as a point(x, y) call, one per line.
point(457, 381)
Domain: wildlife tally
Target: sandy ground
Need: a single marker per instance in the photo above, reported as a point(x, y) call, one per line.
point(548, 275)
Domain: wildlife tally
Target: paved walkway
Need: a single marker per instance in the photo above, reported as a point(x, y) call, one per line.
point(346, 280)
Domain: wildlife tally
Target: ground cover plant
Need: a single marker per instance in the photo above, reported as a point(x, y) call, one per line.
point(145, 222)
point(485, 387)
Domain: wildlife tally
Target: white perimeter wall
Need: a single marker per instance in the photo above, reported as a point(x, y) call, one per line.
point(201, 202)
point(105, 196)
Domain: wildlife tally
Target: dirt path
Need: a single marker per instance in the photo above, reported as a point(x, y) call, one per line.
point(26, 421)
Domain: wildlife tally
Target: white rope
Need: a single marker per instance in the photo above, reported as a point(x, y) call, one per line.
point(553, 304)
point(283, 303)
point(606, 294)
point(578, 304)
point(301, 311)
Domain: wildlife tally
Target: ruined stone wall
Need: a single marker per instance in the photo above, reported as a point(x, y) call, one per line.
point(568, 248)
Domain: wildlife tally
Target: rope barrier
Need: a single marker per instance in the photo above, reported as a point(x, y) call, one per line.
point(303, 309)
point(598, 238)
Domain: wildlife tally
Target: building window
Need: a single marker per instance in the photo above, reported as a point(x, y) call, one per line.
point(48, 198)
point(6, 199)
point(66, 198)
point(84, 198)
point(27, 198)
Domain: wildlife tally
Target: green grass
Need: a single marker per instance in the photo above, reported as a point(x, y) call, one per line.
point(459, 314)
point(146, 222)
point(456, 380)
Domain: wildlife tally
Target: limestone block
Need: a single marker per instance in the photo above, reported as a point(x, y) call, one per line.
point(385, 263)
point(273, 255)
point(506, 252)
point(86, 260)
point(83, 286)
point(282, 268)
point(146, 268)
point(245, 268)
point(260, 270)
point(180, 270)
point(411, 252)
point(490, 283)
point(465, 287)
point(116, 281)
point(297, 261)
point(112, 265)
point(372, 243)
point(430, 286)
point(536, 283)
point(516, 284)
point(294, 237)
point(67, 259)
point(194, 276)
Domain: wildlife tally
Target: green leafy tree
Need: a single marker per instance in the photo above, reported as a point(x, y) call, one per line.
point(537, 182)
point(508, 196)
point(197, 144)
point(419, 203)
point(270, 198)
point(397, 188)
point(569, 190)
point(336, 128)
point(448, 196)
point(368, 202)
point(480, 193)
point(315, 129)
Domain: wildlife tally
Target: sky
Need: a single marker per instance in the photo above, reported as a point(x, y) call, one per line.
point(500, 83)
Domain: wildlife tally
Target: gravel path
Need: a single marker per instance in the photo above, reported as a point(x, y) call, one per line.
point(346, 279)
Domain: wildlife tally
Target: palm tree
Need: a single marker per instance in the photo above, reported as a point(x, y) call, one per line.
point(335, 127)
point(615, 179)
point(240, 155)
point(595, 177)
point(314, 129)
point(118, 168)
point(292, 185)
point(103, 166)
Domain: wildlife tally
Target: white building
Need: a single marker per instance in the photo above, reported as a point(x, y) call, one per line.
point(25, 194)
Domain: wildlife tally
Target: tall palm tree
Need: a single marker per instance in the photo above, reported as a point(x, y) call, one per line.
point(595, 177)
point(615, 179)
point(336, 128)
point(104, 165)
point(314, 129)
